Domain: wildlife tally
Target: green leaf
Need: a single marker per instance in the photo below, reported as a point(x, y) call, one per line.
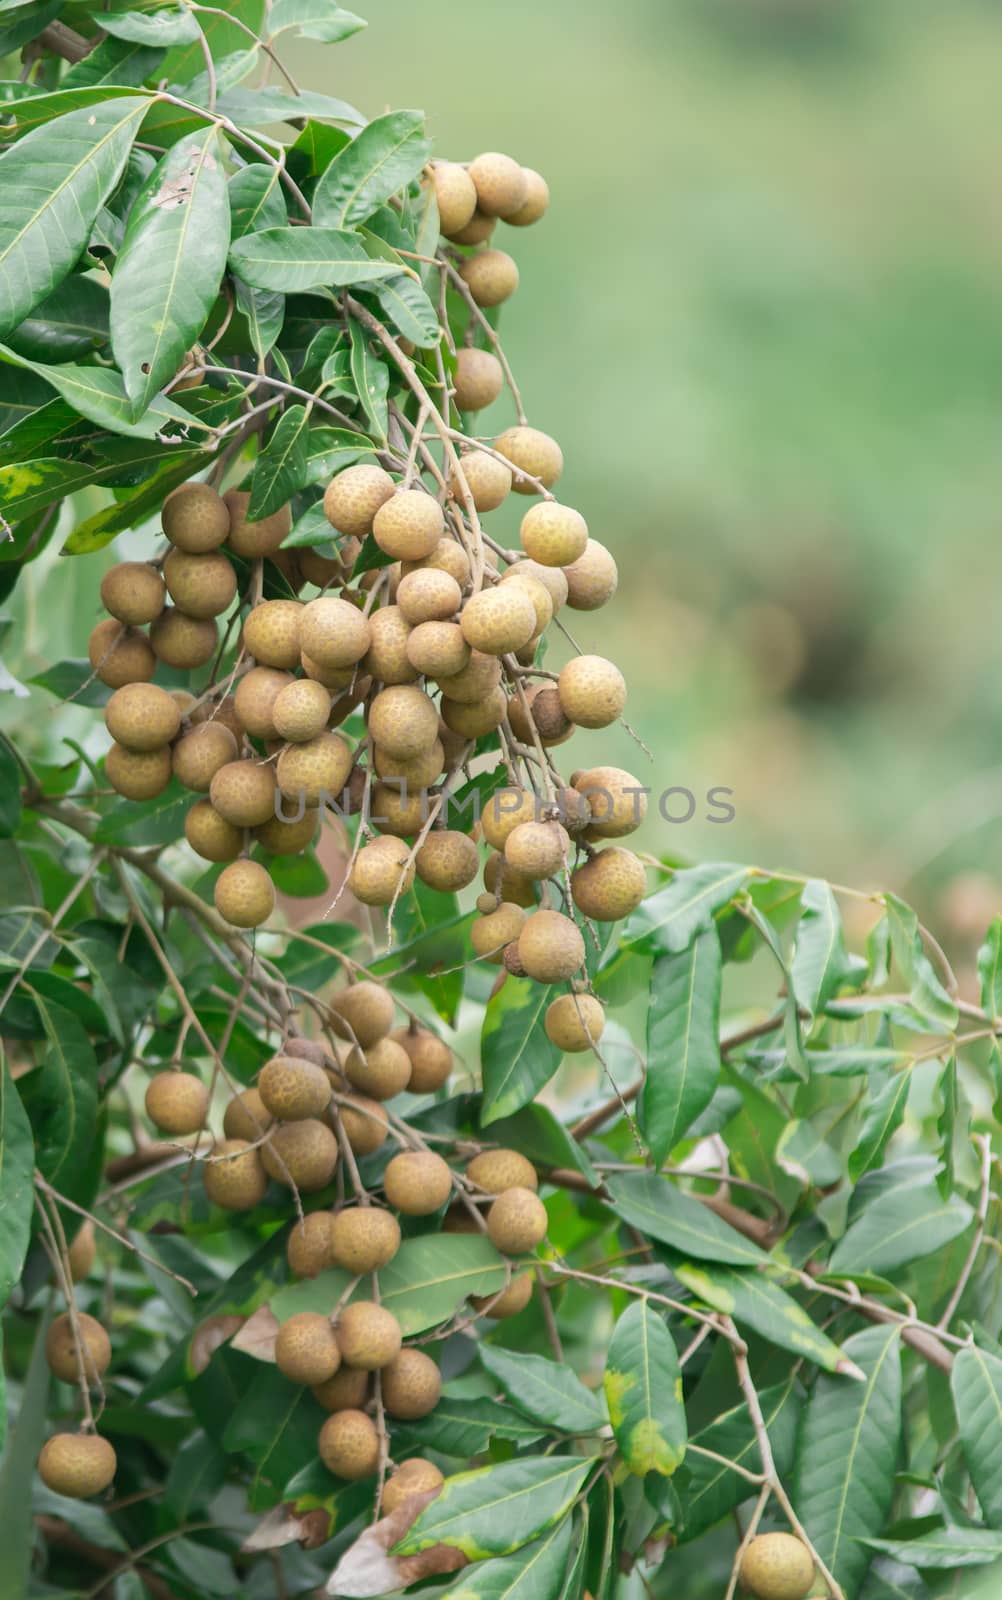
point(516, 1055)
point(900, 1226)
point(60, 1097)
point(927, 993)
point(535, 1573)
point(170, 266)
point(53, 183)
point(372, 381)
point(71, 321)
point(248, 107)
point(297, 259)
point(847, 1455)
point(976, 1385)
point(264, 310)
point(660, 1210)
point(944, 1549)
point(97, 531)
point(162, 29)
point(10, 791)
point(683, 1050)
point(26, 21)
point(821, 963)
point(256, 200)
point(283, 466)
point(544, 1389)
point(464, 1428)
point(381, 159)
point(408, 309)
point(314, 19)
point(146, 822)
point(754, 1301)
point(990, 970)
point(99, 393)
point(713, 1490)
point(669, 920)
point(277, 1426)
point(884, 1115)
point(643, 1389)
point(495, 1510)
point(17, 1473)
point(115, 62)
point(328, 450)
point(17, 1196)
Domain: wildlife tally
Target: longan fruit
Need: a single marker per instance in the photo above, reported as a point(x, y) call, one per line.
point(509, 1302)
point(138, 774)
point(83, 1252)
point(574, 1022)
point(610, 885)
point(478, 380)
point(487, 479)
point(414, 1476)
point(364, 1239)
point(430, 1058)
point(247, 1117)
point(552, 579)
point(353, 497)
point(200, 585)
point(489, 934)
point(455, 194)
point(363, 1012)
point(552, 534)
point(477, 231)
point(491, 276)
point(301, 710)
point(592, 579)
point(348, 1390)
point(537, 200)
point(517, 1221)
point(592, 691)
point(120, 655)
point(306, 1348)
point(333, 632)
point(291, 1089)
point(364, 1123)
point(182, 641)
point(540, 715)
point(255, 540)
point(61, 1348)
point(77, 1465)
point(503, 811)
point(387, 659)
point(438, 649)
point(142, 717)
point(472, 721)
point(498, 620)
point(531, 452)
point(418, 772)
point(447, 556)
point(198, 755)
point(244, 894)
point(417, 1182)
point(336, 679)
point(318, 767)
point(537, 849)
point(403, 721)
point(255, 698)
point(325, 570)
point(234, 1175)
point(301, 1153)
point(243, 793)
point(309, 1245)
point(133, 592)
point(448, 860)
point(481, 674)
point(494, 1171)
point(281, 838)
point(512, 886)
point(368, 1334)
point(409, 526)
point(411, 1385)
point(349, 1445)
point(616, 799)
point(195, 518)
point(428, 595)
point(542, 604)
point(777, 1566)
point(177, 1102)
point(380, 870)
point(502, 185)
point(550, 947)
point(224, 711)
point(272, 633)
point(381, 1071)
point(209, 834)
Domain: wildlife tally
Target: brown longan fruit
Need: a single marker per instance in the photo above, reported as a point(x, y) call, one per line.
point(503, 811)
point(368, 1334)
point(509, 1302)
point(506, 884)
point(477, 230)
point(300, 710)
point(244, 894)
point(478, 380)
point(365, 1238)
point(498, 620)
point(552, 579)
point(777, 1566)
point(142, 717)
point(380, 871)
point(309, 1245)
point(200, 585)
point(182, 641)
point(281, 838)
point(77, 1465)
point(438, 649)
point(490, 933)
point(537, 200)
point(417, 1182)
point(574, 1022)
point(430, 1058)
point(487, 480)
point(418, 772)
point(540, 715)
point(502, 185)
point(447, 556)
point(306, 1348)
point(272, 633)
point(195, 518)
point(325, 570)
point(517, 1221)
point(381, 1071)
point(610, 885)
point(209, 834)
point(617, 801)
point(592, 691)
point(411, 1385)
point(448, 860)
point(362, 1012)
point(428, 595)
point(292, 1089)
point(61, 1349)
point(316, 768)
point(494, 1171)
point(243, 793)
point(133, 592)
point(387, 659)
point(198, 755)
point(455, 194)
point(246, 1117)
point(138, 774)
point(234, 1175)
point(552, 534)
point(255, 699)
point(409, 526)
point(301, 1153)
point(177, 1102)
point(472, 721)
point(530, 452)
point(120, 655)
point(403, 721)
point(353, 497)
point(255, 540)
point(491, 276)
point(348, 1390)
point(349, 1445)
point(592, 579)
point(481, 674)
point(537, 849)
point(412, 1477)
point(333, 632)
point(83, 1252)
point(550, 947)
point(364, 1123)
point(223, 710)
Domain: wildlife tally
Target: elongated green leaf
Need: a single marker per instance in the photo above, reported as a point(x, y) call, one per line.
point(495, 1510)
point(821, 963)
point(661, 1211)
point(72, 321)
point(884, 1115)
point(162, 29)
point(53, 183)
point(17, 1474)
point(25, 21)
point(464, 1428)
point(97, 531)
point(314, 19)
point(271, 104)
point(976, 1383)
point(927, 993)
point(847, 1455)
point(277, 1428)
point(683, 1050)
point(990, 970)
point(544, 1389)
point(60, 1097)
point(899, 1227)
point(756, 1302)
point(384, 157)
point(643, 1390)
point(99, 394)
point(667, 922)
point(372, 381)
point(17, 1165)
point(115, 62)
point(264, 310)
point(534, 1573)
point(296, 259)
point(714, 1490)
point(516, 1055)
point(10, 791)
point(256, 200)
point(944, 1549)
point(408, 309)
point(283, 466)
point(330, 449)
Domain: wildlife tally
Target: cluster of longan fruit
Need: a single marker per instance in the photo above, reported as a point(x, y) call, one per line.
point(471, 201)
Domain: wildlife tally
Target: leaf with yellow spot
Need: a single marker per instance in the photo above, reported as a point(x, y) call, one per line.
point(495, 1510)
point(643, 1390)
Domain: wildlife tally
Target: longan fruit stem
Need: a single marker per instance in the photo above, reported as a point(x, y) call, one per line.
point(449, 271)
point(54, 1240)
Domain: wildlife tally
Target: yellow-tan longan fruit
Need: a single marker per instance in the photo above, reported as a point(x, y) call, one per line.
point(491, 276)
point(539, 595)
point(418, 772)
point(574, 1022)
point(317, 768)
point(777, 1566)
point(138, 774)
point(83, 1252)
point(133, 592)
point(477, 231)
point(417, 1182)
point(185, 702)
point(438, 649)
point(503, 811)
point(491, 933)
point(479, 379)
point(349, 1445)
point(306, 1348)
point(303, 1154)
point(411, 1385)
point(617, 801)
point(255, 540)
point(412, 1477)
point(550, 947)
point(552, 534)
point(224, 711)
point(364, 1122)
point(362, 1012)
point(472, 721)
point(182, 641)
point(387, 659)
point(447, 556)
point(509, 1302)
point(292, 1089)
point(336, 679)
point(517, 1221)
point(309, 1245)
point(448, 860)
point(77, 1465)
point(592, 579)
point(430, 1057)
point(502, 185)
point(610, 885)
point(512, 886)
point(592, 691)
point(368, 1334)
point(498, 620)
point(301, 710)
point(281, 838)
point(381, 870)
point(403, 721)
point(200, 586)
point(487, 480)
point(537, 200)
point(325, 570)
point(348, 1390)
point(209, 834)
point(142, 717)
point(198, 755)
point(481, 674)
point(234, 1175)
point(537, 849)
point(120, 655)
point(61, 1348)
point(195, 518)
point(352, 499)
point(244, 894)
point(381, 1071)
point(552, 579)
point(246, 1117)
point(455, 194)
point(177, 1102)
point(365, 1238)
point(409, 526)
point(428, 595)
point(271, 633)
point(255, 699)
point(532, 454)
point(494, 1171)
point(243, 793)
point(333, 632)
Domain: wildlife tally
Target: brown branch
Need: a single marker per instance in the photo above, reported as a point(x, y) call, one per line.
point(66, 42)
